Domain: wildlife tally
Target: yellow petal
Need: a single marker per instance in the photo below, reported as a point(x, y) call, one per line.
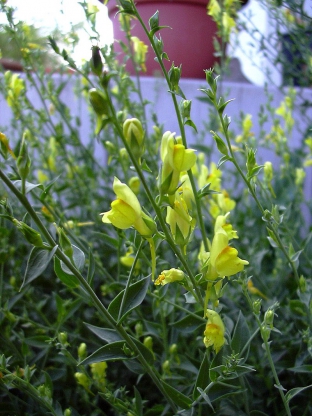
point(121, 215)
point(125, 194)
point(228, 263)
point(183, 159)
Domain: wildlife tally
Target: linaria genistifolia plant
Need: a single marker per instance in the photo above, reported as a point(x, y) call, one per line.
point(138, 276)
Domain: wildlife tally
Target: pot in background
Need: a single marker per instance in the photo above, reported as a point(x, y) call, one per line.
point(189, 41)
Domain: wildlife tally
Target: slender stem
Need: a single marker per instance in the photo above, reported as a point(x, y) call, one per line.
point(156, 208)
point(181, 127)
point(253, 193)
point(124, 297)
point(96, 301)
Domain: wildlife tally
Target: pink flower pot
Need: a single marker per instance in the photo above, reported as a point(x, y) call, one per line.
point(189, 41)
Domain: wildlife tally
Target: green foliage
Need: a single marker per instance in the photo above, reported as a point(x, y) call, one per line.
point(83, 328)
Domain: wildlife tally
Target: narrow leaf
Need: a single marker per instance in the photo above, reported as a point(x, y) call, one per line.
point(293, 392)
point(202, 380)
point(37, 263)
point(110, 352)
point(240, 335)
point(179, 398)
point(68, 279)
point(105, 334)
point(134, 297)
point(79, 260)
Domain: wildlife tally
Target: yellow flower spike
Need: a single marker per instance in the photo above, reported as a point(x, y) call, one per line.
point(214, 332)
point(169, 276)
point(255, 291)
point(187, 192)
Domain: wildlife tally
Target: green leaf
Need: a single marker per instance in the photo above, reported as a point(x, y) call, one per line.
point(202, 380)
point(134, 297)
point(47, 188)
point(205, 397)
point(110, 241)
point(190, 123)
point(223, 160)
point(254, 171)
point(91, 267)
point(78, 258)
point(302, 369)
point(105, 334)
point(293, 392)
point(68, 279)
point(110, 352)
point(179, 398)
point(220, 144)
point(39, 341)
point(28, 186)
point(241, 334)
point(138, 402)
point(189, 323)
point(221, 107)
point(38, 261)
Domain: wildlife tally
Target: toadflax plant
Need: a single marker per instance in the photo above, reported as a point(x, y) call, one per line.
point(143, 282)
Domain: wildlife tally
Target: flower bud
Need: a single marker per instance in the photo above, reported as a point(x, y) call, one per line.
point(62, 338)
point(268, 171)
point(256, 306)
point(82, 379)
point(174, 77)
point(96, 61)
point(269, 318)
point(134, 184)
point(138, 329)
point(67, 412)
point(99, 102)
point(82, 351)
point(31, 235)
point(302, 284)
point(185, 108)
point(23, 160)
point(148, 343)
point(134, 136)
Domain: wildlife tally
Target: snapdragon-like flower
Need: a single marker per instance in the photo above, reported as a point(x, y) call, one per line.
point(169, 276)
point(126, 211)
point(223, 259)
point(176, 159)
point(179, 220)
point(214, 332)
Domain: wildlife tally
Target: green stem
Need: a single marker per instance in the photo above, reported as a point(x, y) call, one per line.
point(252, 191)
point(96, 301)
point(124, 297)
point(156, 208)
point(181, 127)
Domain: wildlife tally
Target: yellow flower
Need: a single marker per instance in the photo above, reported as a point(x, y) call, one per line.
point(179, 220)
point(223, 259)
point(140, 51)
point(214, 332)
point(176, 159)
point(169, 276)
point(126, 211)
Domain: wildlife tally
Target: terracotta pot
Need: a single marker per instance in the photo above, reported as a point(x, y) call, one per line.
point(189, 41)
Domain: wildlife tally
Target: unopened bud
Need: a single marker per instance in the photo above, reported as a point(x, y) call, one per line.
point(96, 61)
point(31, 235)
point(256, 306)
point(99, 102)
point(302, 284)
point(174, 77)
point(82, 351)
point(148, 343)
point(134, 136)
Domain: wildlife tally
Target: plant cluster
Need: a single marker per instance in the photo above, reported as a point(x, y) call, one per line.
point(155, 281)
